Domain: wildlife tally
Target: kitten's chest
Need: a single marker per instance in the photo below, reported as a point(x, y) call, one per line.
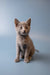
point(23, 47)
point(23, 41)
point(23, 44)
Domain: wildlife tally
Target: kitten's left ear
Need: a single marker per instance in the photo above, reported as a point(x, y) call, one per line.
point(28, 21)
point(16, 21)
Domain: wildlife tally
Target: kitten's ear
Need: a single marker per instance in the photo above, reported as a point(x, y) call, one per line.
point(28, 21)
point(16, 21)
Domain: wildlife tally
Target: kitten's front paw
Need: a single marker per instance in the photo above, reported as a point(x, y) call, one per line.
point(26, 60)
point(16, 60)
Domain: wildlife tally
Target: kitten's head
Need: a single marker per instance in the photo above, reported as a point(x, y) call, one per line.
point(22, 28)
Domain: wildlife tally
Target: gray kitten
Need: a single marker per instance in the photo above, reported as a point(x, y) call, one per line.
point(24, 45)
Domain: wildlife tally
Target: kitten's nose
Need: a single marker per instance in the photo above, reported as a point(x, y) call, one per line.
point(24, 31)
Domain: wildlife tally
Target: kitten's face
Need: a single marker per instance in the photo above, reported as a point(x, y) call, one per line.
point(22, 28)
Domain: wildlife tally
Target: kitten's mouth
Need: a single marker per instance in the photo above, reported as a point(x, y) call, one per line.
point(23, 34)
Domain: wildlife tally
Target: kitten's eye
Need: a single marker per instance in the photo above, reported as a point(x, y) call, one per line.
point(26, 27)
point(20, 27)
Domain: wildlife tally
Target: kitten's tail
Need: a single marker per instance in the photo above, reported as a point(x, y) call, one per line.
point(36, 50)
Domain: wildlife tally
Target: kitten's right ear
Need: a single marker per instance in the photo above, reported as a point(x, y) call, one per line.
point(16, 22)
